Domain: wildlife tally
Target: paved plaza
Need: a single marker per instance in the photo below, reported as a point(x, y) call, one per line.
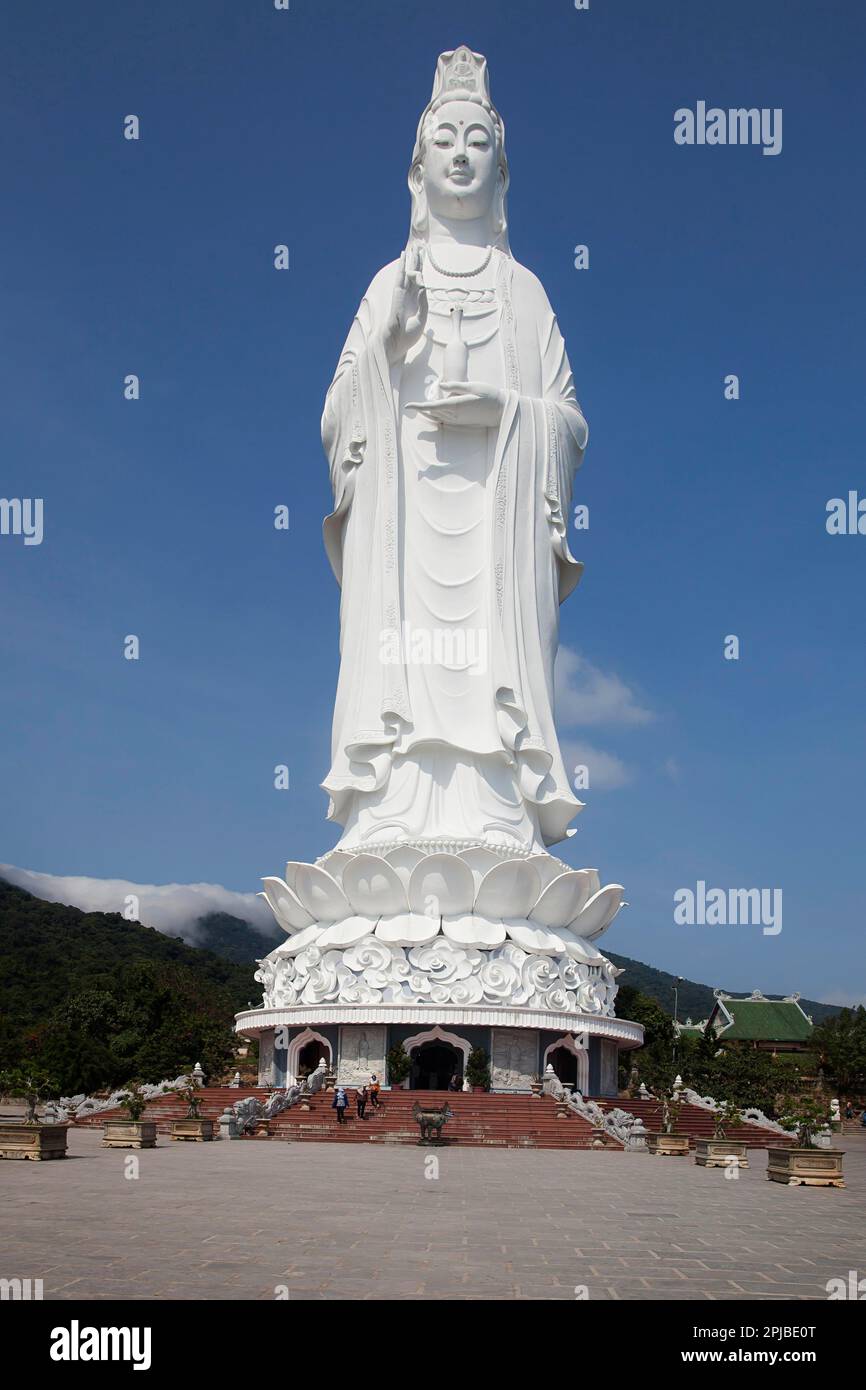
point(259, 1220)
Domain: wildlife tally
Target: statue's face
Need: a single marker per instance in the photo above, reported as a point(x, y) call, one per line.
point(461, 168)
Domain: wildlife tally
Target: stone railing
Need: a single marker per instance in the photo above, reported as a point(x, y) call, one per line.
point(76, 1107)
point(751, 1116)
point(618, 1124)
point(245, 1115)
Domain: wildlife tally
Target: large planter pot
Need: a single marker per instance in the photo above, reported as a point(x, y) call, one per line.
point(192, 1131)
point(806, 1167)
point(129, 1134)
point(717, 1153)
point(668, 1145)
point(33, 1141)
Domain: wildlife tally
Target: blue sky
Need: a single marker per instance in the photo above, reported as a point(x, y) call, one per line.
point(707, 515)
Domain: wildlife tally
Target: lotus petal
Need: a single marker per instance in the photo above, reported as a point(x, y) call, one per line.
point(345, 933)
point(547, 868)
point(404, 859)
point(334, 863)
point(407, 929)
point(530, 937)
point(594, 881)
point(308, 937)
point(374, 887)
point(320, 894)
point(288, 911)
point(480, 861)
point(470, 930)
point(562, 899)
point(599, 912)
point(510, 889)
point(579, 949)
point(442, 884)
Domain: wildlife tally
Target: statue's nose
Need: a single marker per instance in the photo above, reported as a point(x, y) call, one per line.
point(461, 157)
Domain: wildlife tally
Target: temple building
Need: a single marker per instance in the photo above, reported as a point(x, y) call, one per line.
point(769, 1025)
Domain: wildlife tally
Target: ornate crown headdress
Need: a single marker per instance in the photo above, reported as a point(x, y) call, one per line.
point(461, 75)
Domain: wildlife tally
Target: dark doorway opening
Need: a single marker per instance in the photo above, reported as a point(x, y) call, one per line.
point(564, 1063)
point(433, 1066)
point(309, 1058)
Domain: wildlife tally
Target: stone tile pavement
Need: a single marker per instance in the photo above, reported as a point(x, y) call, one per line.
point(251, 1220)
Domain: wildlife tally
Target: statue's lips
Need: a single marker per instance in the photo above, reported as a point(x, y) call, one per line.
point(458, 177)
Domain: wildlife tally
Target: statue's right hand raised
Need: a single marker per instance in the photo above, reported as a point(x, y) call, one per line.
point(408, 313)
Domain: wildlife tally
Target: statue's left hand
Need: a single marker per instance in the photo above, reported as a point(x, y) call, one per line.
point(472, 403)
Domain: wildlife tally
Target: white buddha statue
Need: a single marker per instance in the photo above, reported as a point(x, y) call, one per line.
point(453, 433)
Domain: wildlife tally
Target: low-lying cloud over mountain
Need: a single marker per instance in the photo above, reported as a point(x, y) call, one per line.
point(172, 908)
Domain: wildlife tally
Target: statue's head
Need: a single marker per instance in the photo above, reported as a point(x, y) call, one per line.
point(459, 170)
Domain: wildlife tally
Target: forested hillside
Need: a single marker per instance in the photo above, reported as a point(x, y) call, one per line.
point(96, 1000)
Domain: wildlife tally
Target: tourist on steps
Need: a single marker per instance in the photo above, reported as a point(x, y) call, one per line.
point(374, 1092)
point(339, 1103)
point(361, 1096)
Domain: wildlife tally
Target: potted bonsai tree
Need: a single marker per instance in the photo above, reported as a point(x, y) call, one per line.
point(132, 1132)
point(193, 1128)
point(399, 1065)
point(31, 1137)
point(718, 1151)
point(668, 1142)
point(478, 1069)
point(804, 1164)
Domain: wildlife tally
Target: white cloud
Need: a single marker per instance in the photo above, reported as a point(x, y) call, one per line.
point(171, 908)
point(587, 695)
point(606, 771)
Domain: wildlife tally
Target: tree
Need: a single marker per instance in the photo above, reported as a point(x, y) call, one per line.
point(30, 1084)
point(399, 1064)
point(478, 1068)
point(744, 1076)
point(655, 1060)
point(840, 1042)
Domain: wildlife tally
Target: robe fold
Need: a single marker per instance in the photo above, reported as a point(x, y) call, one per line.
point(409, 763)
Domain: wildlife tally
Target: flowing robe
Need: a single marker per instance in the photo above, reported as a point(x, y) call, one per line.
point(451, 529)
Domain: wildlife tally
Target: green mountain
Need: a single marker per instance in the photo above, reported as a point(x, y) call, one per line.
point(233, 938)
point(96, 1000)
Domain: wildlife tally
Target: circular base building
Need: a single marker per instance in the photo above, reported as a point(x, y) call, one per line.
point(443, 948)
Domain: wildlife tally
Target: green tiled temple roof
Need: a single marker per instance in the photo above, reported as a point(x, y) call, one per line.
point(764, 1020)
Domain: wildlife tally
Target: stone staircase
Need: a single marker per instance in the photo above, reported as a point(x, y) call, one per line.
point(213, 1100)
point(696, 1122)
point(480, 1120)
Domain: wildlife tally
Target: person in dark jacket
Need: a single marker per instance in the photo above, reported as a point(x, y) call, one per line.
point(339, 1103)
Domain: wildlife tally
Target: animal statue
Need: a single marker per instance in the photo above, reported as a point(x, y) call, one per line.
point(431, 1122)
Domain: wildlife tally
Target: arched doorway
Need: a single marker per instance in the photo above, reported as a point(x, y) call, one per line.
point(570, 1061)
point(433, 1071)
point(307, 1049)
point(308, 1059)
point(564, 1063)
point(434, 1064)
